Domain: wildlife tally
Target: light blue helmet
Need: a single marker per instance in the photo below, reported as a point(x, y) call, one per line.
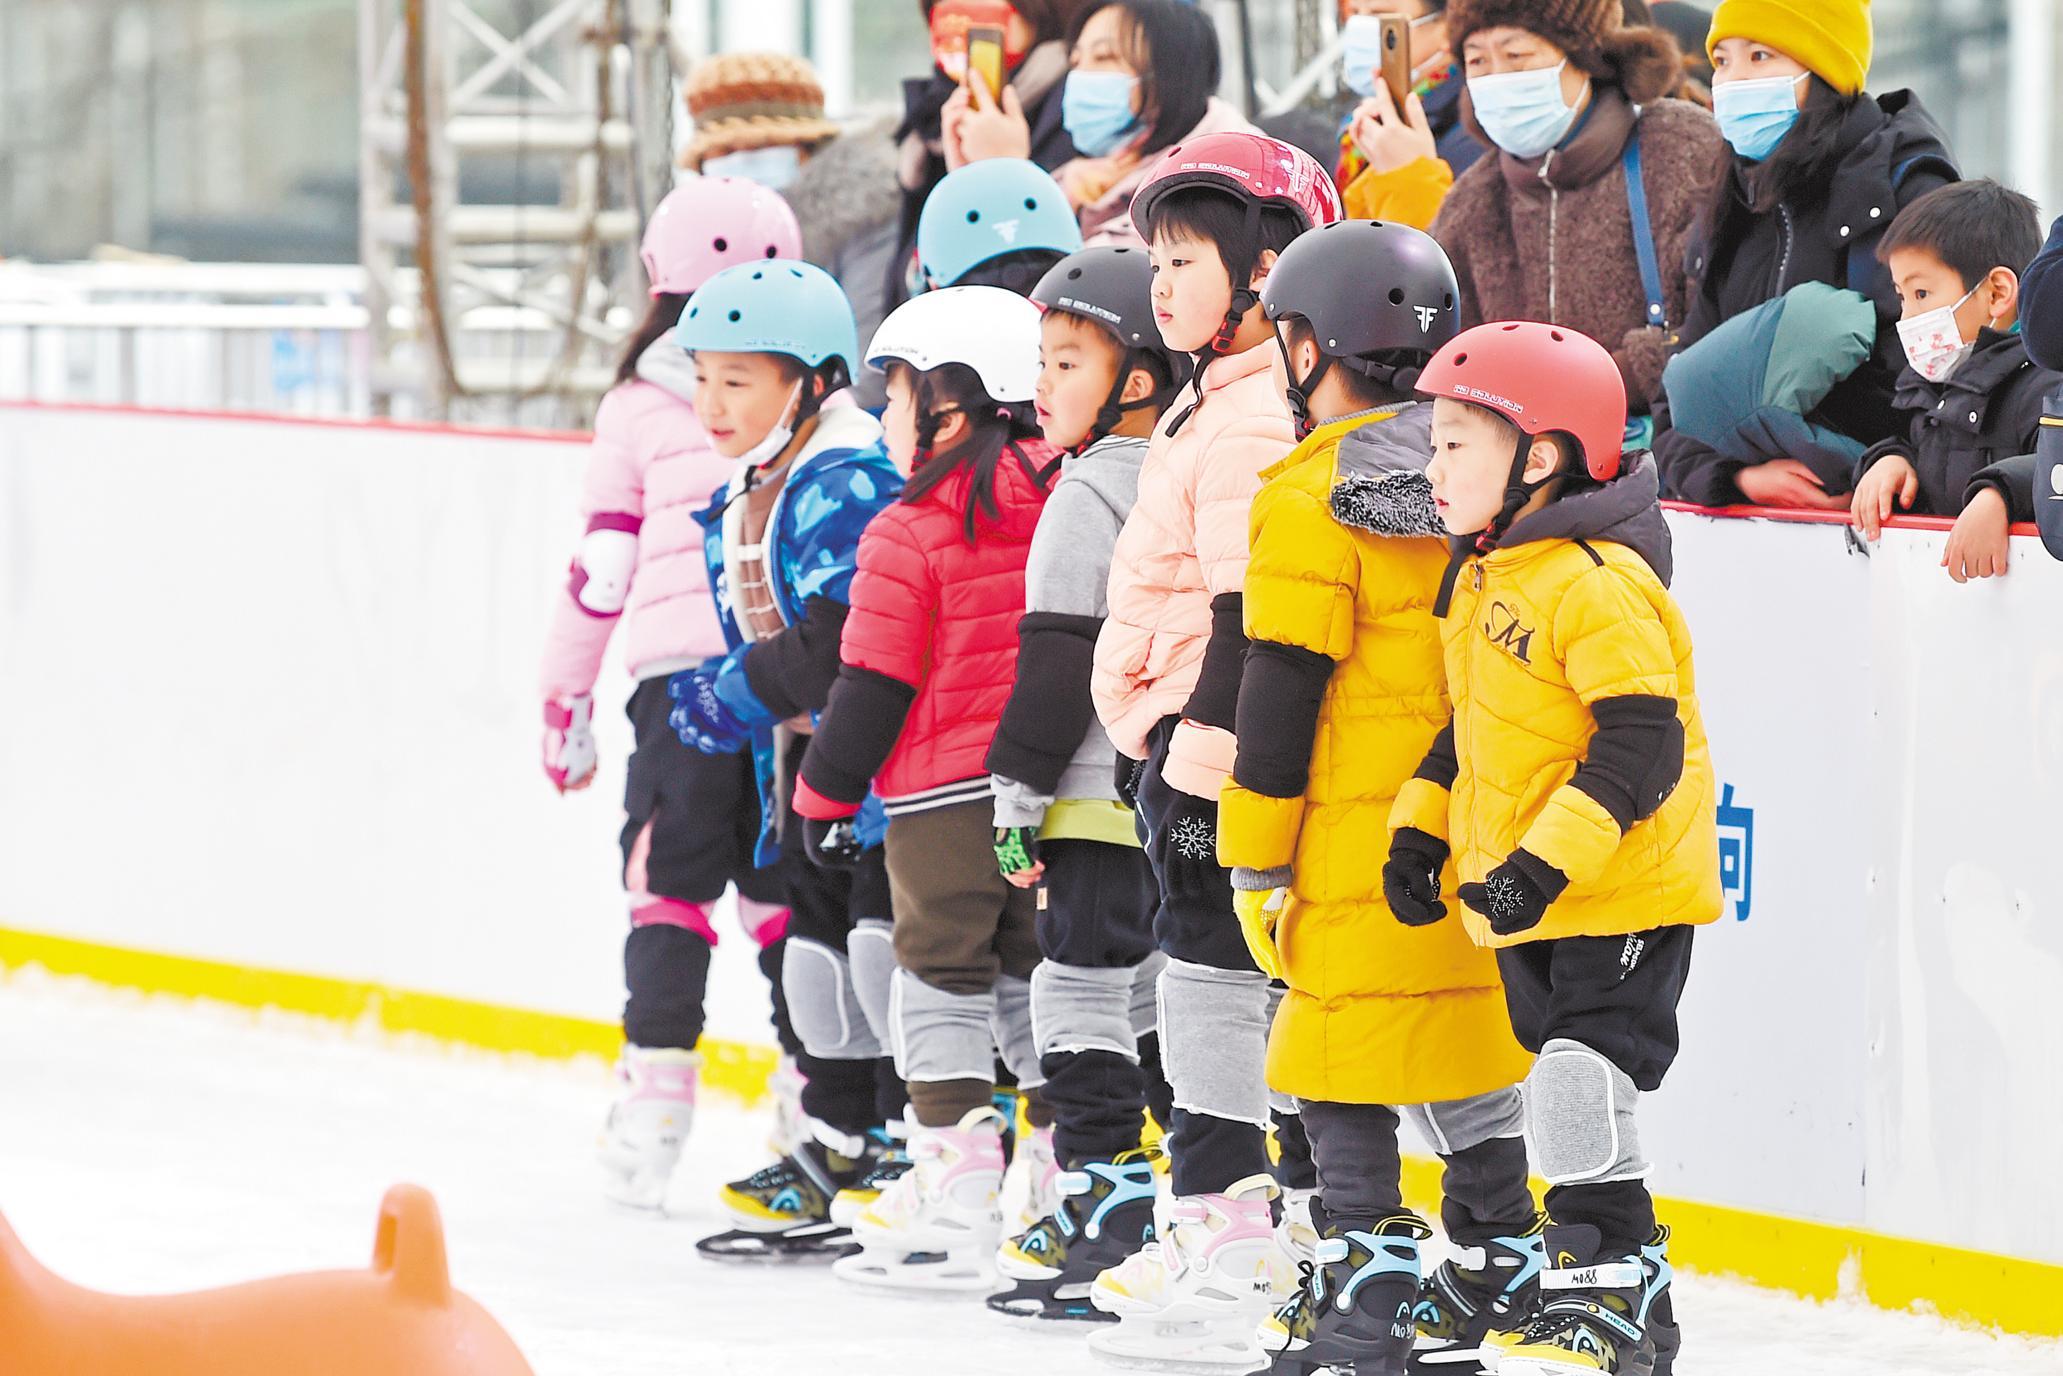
point(776, 306)
point(990, 208)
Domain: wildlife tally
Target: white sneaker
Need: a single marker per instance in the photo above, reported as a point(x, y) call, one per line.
point(641, 1139)
point(937, 1225)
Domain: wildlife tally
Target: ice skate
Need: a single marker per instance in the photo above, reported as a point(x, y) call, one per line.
point(1191, 1300)
point(791, 1125)
point(888, 1156)
point(783, 1212)
point(1596, 1312)
point(935, 1227)
point(1297, 1231)
point(1478, 1291)
point(1103, 1214)
point(1041, 1172)
point(1353, 1311)
point(641, 1139)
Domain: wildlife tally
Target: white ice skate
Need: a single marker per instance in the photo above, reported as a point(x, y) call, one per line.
point(936, 1227)
point(1296, 1235)
point(791, 1124)
point(1191, 1301)
point(641, 1140)
point(1041, 1170)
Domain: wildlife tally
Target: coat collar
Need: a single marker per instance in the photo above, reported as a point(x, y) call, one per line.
point(1585, 155)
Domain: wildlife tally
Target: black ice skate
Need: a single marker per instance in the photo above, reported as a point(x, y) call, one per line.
point(1105, 1215)
point(1354, 1310)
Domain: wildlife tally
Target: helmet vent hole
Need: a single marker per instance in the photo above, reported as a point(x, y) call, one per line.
point(1074, 274)
point(1031, 203)
point(735, 317)
point(974, 217)
point(1509, 328)
point(1447, 301)
point(796, 273)
point(694, 311)
point(722, 245)
point(758, 276)
point(773, 251)
point(1396, 296)
point(1460, 359)
point(1555, 335)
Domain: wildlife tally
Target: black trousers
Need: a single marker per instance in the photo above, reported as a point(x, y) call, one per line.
point(1484, 1193)
point(1618, 996)
point(1096, 906)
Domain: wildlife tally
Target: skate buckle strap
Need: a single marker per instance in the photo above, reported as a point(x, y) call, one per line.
point(1073, 1183)
point(1562, 1314)
point(1605, 1275)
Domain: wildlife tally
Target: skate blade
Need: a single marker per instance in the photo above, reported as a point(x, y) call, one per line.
point(777, 1249)
point(1186, 1347)
point(915, 1273)
point(1465, 1361)
point(1038, 1306)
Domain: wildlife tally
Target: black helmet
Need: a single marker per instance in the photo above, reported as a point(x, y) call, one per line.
point(1113, 287)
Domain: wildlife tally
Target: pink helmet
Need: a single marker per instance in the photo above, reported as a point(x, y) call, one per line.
point(1253, 167)
point(707, 224)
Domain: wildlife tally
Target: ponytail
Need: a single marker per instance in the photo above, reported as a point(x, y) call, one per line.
point(995, 434)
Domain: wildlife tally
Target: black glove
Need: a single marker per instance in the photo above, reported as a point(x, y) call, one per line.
point(1411, 878)
point(1187, 842)
point(1515, 895)
point(1017, 849)
point(832, 845)
point(1126, 777)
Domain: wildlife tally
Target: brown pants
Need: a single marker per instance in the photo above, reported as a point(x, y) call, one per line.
point(958, 923)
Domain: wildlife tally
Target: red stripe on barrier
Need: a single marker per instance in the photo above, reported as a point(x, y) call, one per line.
point(419, 427)
point(1809, 516)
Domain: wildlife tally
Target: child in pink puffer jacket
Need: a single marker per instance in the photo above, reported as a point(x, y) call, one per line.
point(692, 818)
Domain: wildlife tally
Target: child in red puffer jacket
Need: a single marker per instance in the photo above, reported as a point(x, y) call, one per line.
point(929, 653)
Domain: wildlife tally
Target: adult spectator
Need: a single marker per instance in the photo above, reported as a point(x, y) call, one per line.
point(1375, 135)
point(1142, 78)
point(1552, 228)
point(2041, 298)
point(1818, 170)
point(1035, 61)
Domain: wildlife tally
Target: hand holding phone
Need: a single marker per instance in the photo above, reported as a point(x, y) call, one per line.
point(985, 61)
point(1396, 56)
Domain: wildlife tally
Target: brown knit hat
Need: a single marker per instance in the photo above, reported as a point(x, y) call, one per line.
point(1643, 62)
point(754, 100)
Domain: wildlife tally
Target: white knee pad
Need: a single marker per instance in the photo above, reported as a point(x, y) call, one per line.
point(1579, 1117)
point(1082, 1008)
point(1455, 1125)
point(822, 1006)
point(1214, 1040)
point(1146, 994)
point(870, 950)
point(1011, 1025)
point(941, 1036)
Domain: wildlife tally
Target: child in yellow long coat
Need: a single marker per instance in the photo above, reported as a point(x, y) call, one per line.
point(1343, 693)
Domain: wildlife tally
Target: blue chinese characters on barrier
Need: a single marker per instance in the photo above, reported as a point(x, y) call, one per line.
point(1736, 853)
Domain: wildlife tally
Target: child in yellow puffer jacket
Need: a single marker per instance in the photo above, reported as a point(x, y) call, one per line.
point(1342, 694)
point(1574, 790)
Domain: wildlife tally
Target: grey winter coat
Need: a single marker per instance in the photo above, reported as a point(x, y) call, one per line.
point(847, 200)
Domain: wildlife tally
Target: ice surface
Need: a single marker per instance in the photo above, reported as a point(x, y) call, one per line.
point(153, 1144)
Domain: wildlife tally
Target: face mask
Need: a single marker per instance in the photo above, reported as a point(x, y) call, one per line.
point(1755, 115)
point(1096, 110)
point(1933, 342)
point(1523, 112)
point(769, 449)
point(773, 168)
point(1361, 58)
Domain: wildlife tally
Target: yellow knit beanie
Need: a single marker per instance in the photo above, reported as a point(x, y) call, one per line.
point(1831, 38)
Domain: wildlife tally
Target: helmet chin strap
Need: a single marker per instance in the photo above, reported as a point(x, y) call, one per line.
point(1465, 547)
point(1300, 388)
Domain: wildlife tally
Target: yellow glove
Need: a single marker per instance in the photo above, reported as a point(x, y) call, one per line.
point(1259, 911)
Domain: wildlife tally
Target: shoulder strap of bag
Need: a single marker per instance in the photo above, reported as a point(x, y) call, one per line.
point(1643, 229)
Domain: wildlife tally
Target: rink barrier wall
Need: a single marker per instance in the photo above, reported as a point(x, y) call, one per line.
point(334, 807)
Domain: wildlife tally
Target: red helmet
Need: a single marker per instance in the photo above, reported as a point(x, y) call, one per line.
point(1253, 167)
point(1540, 378)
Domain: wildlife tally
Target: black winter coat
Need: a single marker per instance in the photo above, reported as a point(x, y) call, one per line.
point(1988, 410)
point(2041, 301)
point(1889, 153)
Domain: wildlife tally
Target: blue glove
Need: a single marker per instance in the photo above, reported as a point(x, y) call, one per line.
point(700, 717)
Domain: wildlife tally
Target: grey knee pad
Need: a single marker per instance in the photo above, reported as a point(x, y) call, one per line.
point(1082, 1008)
point(941, 1036)
point(1146, 994)
point(1214, 1040)
point(1579, 1117)
point(1011, 1025)
point(822, 1006)
point(870, 950)
point(1455, 1125)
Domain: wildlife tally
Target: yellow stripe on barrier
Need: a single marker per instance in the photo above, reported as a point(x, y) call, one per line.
point(1824, 1261)
point(1817, 1260)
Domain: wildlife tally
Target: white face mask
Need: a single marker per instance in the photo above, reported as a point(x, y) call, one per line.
point(773, 168)
point(1933, 342)
point(769, 449)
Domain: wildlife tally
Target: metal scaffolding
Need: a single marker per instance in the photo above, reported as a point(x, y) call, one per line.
point(488, 298)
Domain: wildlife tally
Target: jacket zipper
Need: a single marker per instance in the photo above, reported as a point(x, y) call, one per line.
point(1783, 262)
point(1554, 205)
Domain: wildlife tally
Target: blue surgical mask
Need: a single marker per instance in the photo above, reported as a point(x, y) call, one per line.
point(1755, 115)
point(1096, 110)
point(1523, 112)
point(773, 168)
point(1361, 57)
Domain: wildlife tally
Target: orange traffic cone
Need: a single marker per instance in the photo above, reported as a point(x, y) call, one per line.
point(401, 1318)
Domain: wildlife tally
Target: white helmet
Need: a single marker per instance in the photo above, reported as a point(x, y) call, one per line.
point(993, 331)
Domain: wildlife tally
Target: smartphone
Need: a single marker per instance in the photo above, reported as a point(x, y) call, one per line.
point(985, 59)
point(1396, 56)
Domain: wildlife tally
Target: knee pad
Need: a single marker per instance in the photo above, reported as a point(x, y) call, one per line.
point(1214, 1040)
point(1082, 1008)
point(1011, 1026)
point(941, 1036)
point(1146, 994)
point(765, 923)
point(822, 1006)
point(1454, 1125)
point(870, 952)
point(1579, 1117)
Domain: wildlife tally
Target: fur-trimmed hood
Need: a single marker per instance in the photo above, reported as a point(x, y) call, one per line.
point(847, 187)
